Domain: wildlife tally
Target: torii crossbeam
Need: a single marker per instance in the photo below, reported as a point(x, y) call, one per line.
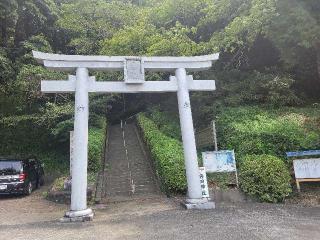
point(134, 82)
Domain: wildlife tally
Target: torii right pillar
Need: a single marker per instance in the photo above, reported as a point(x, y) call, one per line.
point(194, 198)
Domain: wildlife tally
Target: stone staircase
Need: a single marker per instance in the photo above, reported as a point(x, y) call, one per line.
point(128, 172)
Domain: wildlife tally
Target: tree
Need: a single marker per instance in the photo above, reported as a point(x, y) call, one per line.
point(89, 22)
point(33, 17)
point(167, 12)
point(6, 69)
point(8, 17)
point(132, 40)
point(296, 28)
point(237, 24)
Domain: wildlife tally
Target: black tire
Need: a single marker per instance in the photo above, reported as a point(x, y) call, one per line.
point(28, 189)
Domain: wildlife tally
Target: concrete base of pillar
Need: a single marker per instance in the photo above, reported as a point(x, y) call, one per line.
point(200, 204)
point(78, 216)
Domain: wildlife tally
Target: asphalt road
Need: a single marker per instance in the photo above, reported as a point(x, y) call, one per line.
point(35, 218)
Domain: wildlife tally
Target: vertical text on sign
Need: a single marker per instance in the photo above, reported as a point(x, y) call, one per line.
point(204, 182)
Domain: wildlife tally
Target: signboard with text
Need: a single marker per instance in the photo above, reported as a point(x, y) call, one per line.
point(203, 182)
point(307, 168)
point(219, 161)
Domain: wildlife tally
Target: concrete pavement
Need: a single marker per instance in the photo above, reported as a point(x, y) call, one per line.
point(35, 218)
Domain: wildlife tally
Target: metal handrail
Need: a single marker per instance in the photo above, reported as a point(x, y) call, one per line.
point(131, 183)
point(132, 116)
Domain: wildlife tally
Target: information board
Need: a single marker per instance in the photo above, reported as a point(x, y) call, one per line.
point(307, 168)
point(219, 161)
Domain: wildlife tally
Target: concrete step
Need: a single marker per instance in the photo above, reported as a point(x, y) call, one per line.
point(119, 167)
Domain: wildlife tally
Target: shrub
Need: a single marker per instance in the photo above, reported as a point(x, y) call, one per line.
point(166, 123)
point(167, 154)
point(265, 177)
point(253, 130)
point(55, 162)
point(58, 184)
point(95, 148)
point(6, 69)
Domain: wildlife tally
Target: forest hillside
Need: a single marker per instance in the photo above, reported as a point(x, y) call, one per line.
point(267, 77)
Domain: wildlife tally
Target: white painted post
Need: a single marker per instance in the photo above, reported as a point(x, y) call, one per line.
point(214, 132)
point(188, 138)
point(71, 151)
point(80, 161)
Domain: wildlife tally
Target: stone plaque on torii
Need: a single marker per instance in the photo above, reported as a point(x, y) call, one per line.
point(134, 82)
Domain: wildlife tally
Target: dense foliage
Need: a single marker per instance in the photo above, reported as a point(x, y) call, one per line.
point(166, 122)
point(274, 41)
point(254, 130)
point(269, 56)
point(95, 148)
point(46, 136)
point(260, 138)
point(265, 177)
point(167, 154)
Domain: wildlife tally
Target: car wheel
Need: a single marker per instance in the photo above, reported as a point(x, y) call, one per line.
point(29, 189)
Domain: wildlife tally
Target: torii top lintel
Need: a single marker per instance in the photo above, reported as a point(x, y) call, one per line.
point(160, 64)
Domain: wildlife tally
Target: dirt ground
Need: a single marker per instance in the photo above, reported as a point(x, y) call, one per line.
point(34, 218)
point(309, 195)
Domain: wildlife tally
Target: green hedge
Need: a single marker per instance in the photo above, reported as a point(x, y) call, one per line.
point(265, 177)
point(95, 148)
point(166, 122)
point(167, 154)
point(254, 130)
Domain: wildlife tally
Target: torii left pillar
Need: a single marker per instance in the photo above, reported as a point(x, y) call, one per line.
point(79, 209)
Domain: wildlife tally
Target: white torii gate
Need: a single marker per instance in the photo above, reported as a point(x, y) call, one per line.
point(134, 82)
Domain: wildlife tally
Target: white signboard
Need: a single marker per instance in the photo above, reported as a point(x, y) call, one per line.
point(204, 183)
point(219, 161)
point(307, 168)
point(133, 71)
